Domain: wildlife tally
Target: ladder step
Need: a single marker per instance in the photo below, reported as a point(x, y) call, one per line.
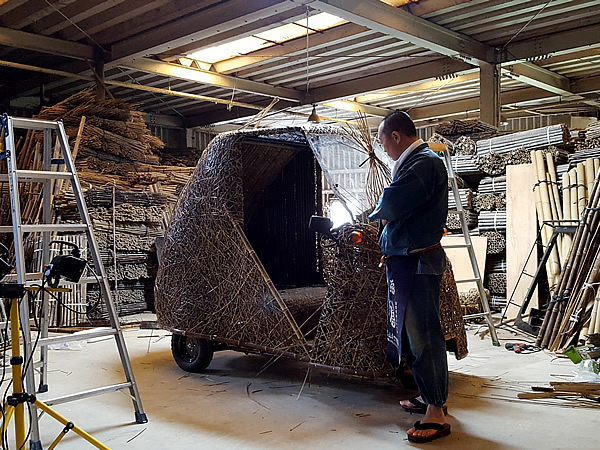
point(473, 316)
point(457, 245)
point(86, 394)
point(49, 227)
point(468, 280)
point(34, 124)
point(80, 336)
point(38, 175)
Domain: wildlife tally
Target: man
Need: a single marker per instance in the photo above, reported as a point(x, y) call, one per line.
point(413, 209)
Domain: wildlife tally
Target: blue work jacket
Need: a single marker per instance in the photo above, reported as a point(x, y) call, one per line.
point(415, 204)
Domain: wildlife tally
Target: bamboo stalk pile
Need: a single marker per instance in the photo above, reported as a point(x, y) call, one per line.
point(531, 139)
point(466, 199)
point(592, 130)
point(495, 163)
point(465, 165)
point(489, 202)
point(453, 220)
point(464, 127)
point(496, 243)
point(464, 145)
point(573, 311)
point(442, 140)
point(492, 185)
point(581, 155)
point(471, 301)
point(492, 221)
point(496, 283)
point(115, 149)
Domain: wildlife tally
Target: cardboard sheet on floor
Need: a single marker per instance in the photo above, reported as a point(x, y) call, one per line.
point(521, 232)
point(459, 257)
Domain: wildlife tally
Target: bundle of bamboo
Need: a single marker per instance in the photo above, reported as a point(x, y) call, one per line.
point(492, 185)
point(489, 202)
point(531, 139)
point(453, 220)
point(465, 146)
point(496, 244)
point(592, 130)
point(574, 309)
point(465, 165)
point(438, 138)
point(466, 199)
point(492, 221)
point(495, 163)
point(463, 127)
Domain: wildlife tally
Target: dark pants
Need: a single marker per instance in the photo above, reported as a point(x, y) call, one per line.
point(414, 326)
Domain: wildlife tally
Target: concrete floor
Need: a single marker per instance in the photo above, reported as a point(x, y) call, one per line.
point(236, 406)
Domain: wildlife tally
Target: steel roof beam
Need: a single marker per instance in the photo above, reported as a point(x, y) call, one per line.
point(233, 17)
point(543, 46)
point(400, 24)
point(388, 80)
point(45, 44)
point(212, 78)
point(539, 77)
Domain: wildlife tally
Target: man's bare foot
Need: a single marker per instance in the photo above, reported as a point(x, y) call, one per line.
point(434, 414)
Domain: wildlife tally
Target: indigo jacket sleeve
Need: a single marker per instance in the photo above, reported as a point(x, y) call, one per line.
point(407, 192)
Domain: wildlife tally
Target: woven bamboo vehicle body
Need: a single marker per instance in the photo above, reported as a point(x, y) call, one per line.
point(241, 269)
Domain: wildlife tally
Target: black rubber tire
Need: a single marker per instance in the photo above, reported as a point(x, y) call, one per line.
point(191, 354)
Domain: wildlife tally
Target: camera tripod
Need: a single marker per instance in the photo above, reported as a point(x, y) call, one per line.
point(15, 403)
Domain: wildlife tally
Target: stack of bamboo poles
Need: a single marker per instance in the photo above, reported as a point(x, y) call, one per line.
point(592, 130)
point(465, 146)
point(453, 220)
point(531, 139)
point(442, 140)
point(466, 199)
point(465, 165)
point(495, 163)
point(463, 126)
point(492, 185)
point(574, 308)
point(492, 221)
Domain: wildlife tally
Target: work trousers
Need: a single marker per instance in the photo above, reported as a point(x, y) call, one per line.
point(414, 326)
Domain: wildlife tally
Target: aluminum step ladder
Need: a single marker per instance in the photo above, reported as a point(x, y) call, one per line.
point(56, 169)
point(477, 279)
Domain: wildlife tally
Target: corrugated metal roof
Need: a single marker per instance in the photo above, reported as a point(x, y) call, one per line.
point(350, 59)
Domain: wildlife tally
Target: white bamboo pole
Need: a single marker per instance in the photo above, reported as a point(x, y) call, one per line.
point(554, 203)
point(553, 266)
point(581, 188)
point(538, 206)
point(566, 190)
point(573, 183)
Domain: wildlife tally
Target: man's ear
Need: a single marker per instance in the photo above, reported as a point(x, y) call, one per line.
point(396, 136)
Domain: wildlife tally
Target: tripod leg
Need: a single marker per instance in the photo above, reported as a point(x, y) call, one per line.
point(16, 362)
point(88, 437)
point(8, 411)
point(62, 434)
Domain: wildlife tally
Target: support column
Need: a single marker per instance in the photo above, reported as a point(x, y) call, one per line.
point(489, 94)
point(99, 69)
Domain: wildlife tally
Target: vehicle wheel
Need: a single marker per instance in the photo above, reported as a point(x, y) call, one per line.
point(191, 354)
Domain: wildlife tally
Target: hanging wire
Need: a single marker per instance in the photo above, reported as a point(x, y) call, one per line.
point(307, 82)
point(526, 25)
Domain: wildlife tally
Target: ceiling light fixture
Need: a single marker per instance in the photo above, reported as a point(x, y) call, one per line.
point(314, 117)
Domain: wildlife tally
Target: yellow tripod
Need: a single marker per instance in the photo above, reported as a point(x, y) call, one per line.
point(15, 403)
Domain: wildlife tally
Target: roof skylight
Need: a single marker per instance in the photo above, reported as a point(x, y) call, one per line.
point(277, 35)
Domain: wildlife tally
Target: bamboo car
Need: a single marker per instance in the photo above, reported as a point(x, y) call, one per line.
point(240, 269)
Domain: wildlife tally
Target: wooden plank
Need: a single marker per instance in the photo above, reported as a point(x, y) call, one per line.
point(521, 231)
point(459, 257)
